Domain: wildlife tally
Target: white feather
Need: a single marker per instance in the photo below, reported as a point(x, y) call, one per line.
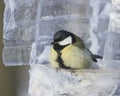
point(66, 41)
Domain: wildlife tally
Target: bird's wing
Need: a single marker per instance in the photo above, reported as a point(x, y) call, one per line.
point(79, 43)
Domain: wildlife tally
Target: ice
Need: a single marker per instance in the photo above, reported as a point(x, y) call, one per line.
point(44, 57)
point(26, 23)
point(112, 46)
point(93, 30)
point(64, 7)
point(48, 82)
point(93, 26)
point(33, 54)
point(77, 21)
point(35, 23)
point(19, 55)
point(19, 31)
point(29, 27)
point(106, 10)
point(115, 2)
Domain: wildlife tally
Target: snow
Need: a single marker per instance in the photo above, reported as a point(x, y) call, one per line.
point(44, 57)
point(73, 16)
point(33, 54)
point(116, 2)
point(45, 81)
point(93, 26)
point(106, 11)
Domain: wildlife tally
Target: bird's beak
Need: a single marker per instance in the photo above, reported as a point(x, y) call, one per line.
point(52, 42)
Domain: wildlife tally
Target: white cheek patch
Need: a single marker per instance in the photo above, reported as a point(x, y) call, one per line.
point(66, 41)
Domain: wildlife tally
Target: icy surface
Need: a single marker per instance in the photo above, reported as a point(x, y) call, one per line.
point(44, 57)
point(86, 22)
point(33, 23)
point(19, 31)
point(45, 81)
point(112, 46)
point(29, 26)
point(92, 26)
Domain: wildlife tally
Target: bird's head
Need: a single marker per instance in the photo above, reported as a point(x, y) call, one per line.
point(63, 38)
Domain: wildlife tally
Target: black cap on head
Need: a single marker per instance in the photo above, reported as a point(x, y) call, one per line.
point(62, 34)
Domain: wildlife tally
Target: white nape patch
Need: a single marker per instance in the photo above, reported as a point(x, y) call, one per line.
point(66, 41)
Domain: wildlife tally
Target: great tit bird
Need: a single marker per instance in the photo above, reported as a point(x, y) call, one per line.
point(68, 51)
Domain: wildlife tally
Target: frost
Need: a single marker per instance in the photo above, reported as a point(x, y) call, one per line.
point(46, 81)
point(29, 26)
point(111, 53)
point(34, 22)
point(33, 54)
point(101, 82)
point(106, 11)
point(19, 31)
point(44, 57)
point(93, 26)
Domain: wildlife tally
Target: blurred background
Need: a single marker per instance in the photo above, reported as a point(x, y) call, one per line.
point(13, 80)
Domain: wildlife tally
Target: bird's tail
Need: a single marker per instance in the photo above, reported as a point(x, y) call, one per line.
point(95, 57)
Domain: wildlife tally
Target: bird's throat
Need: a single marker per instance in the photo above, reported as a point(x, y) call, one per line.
point(60, 61)
point(58, 47)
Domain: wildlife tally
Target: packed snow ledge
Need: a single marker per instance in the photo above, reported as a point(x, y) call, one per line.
point(45, 81)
